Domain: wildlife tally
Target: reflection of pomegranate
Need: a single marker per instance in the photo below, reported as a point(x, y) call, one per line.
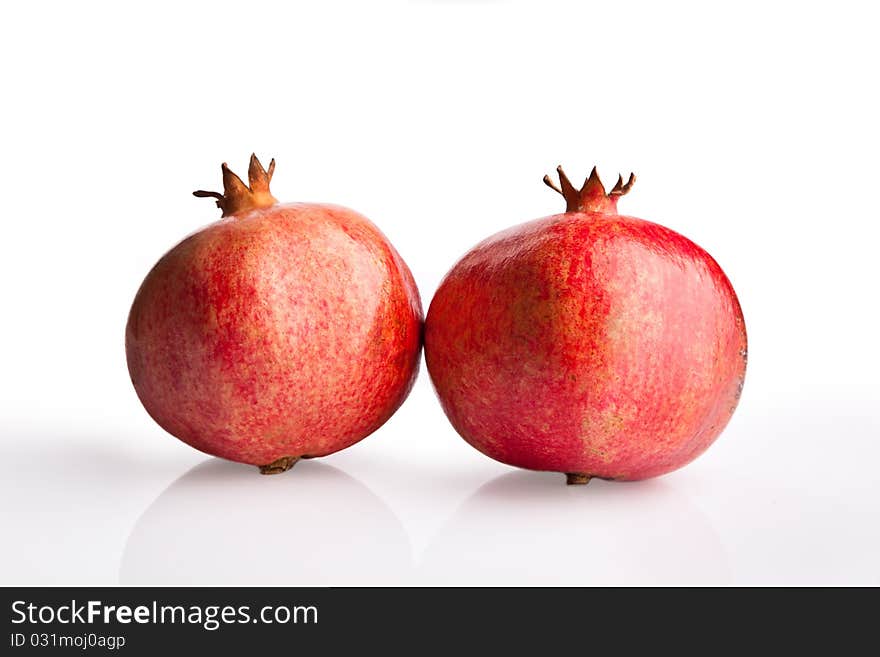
point(588, 343)
point(219, 525)
point(522, 529)
point(278, 332)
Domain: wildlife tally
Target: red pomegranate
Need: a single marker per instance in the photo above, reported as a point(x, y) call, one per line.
point(589, 343)
point(279, 332)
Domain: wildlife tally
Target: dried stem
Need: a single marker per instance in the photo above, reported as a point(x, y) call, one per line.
point(278, 466)
point(238, 197)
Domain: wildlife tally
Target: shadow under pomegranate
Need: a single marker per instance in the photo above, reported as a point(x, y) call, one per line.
point(217, 524)
point(523, 529)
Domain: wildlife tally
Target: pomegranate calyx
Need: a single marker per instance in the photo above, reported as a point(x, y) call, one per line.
point(591, 197)
point(238, 197)
point(280, 465)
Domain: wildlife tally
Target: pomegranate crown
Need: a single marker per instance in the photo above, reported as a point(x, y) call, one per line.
point(237, 196)
point(592, 197)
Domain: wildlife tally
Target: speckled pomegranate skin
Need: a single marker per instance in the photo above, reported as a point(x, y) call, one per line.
point(587, 342)
point(292, 330)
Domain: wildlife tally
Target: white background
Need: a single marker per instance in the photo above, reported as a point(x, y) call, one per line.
point(753, 130)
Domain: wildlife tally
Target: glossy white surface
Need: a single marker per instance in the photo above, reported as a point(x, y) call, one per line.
point(769, 504)
point(752, 130)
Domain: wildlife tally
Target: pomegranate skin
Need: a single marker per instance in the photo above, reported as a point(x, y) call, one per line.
point(278, 332)
point(587, 343)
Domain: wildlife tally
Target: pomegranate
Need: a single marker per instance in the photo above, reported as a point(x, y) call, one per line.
point(279, 332)
point(588, 343)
